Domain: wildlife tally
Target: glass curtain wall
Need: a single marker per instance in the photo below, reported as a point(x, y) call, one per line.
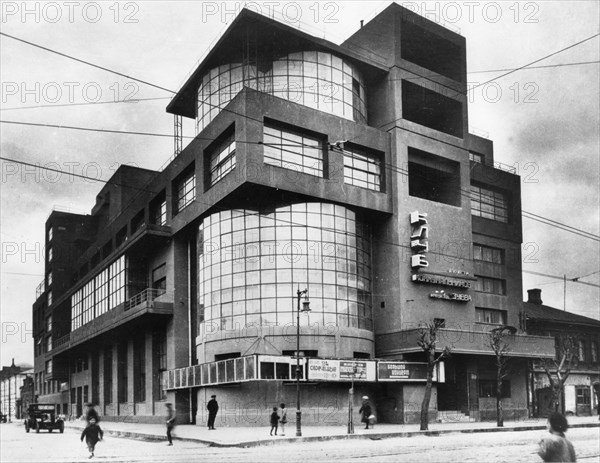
point(315, 79)
point(250, 266)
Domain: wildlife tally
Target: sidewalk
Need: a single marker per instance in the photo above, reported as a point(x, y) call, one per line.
point(257, 436)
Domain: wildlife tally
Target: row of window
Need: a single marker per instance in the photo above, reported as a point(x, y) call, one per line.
point(99, 295)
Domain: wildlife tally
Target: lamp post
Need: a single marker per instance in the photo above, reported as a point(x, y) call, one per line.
point(305, 308)
point(351, 402)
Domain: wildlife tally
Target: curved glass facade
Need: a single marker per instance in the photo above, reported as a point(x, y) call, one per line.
point(250, 266)
point(315, 79)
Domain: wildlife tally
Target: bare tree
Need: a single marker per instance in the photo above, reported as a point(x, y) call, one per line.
point(559, 368)
point(500, 347)
point(427, 341)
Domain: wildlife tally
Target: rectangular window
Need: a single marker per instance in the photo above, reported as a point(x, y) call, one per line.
point(362, 168)
point(50, 233)
point(487, 388)
point(159, 278)
point(48, 368)
point(583, 395)
point(108, 375)
point(491, 316)
point(49, 324)
point(122, 371)
point(158, 210)
point(433, 177)
point(49, 279)
point(594, 351)
point(490, 285)
point(293, 150)
point(488, 254)
point(48, 343)
point(581, 351)
point(489, 204)
point(139, 366)
point(160, 349)
point(221, 159)
point(475, 157)
point(185, 190)
point(50, 254)
point(49, 298)
point(432, 109)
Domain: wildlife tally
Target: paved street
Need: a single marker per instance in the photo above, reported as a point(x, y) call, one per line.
point(502, 446)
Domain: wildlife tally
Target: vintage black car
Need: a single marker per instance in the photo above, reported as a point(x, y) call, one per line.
point(43, 416)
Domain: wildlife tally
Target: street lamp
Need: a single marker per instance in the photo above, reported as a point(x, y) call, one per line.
point(351, 402)
point(305, 308)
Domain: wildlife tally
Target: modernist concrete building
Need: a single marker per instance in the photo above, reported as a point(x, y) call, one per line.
point(344, 170)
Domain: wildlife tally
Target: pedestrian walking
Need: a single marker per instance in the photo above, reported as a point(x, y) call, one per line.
point(283, 419)
point(213, 407)
point(274, 421)
point(170, 422)
point(365, 411)
point(92, 434)
point(556, 447)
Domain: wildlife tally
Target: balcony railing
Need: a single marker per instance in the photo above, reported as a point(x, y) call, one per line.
point(505, 167)
point(62, 340)
point(147, 295)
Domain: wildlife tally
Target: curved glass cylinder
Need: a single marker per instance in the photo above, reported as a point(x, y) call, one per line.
point(315, 79)
point(251, 265)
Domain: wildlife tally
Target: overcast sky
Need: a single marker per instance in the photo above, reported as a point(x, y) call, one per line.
point(543, 121)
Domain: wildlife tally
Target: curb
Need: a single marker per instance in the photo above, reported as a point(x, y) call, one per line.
point(377, 436)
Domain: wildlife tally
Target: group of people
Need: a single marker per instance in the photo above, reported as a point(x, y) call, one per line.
point(555, 447)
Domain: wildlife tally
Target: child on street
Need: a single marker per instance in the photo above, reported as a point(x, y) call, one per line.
point(274, 420)
point(92, 434)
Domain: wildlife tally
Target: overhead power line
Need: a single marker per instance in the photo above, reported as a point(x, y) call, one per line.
point(65, 55)
point(562, 278)
point(463, 192)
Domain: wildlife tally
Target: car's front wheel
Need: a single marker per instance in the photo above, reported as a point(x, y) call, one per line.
point(37, 426)
point(49, 429)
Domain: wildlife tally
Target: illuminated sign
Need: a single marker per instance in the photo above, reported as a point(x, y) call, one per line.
point(450, 296)
point(441, 280)
point(418, 239)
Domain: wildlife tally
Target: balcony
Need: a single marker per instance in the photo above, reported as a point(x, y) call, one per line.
point(473, 340)
point(149, 303)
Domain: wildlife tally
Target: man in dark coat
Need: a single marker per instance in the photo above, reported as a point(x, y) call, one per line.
point(213, 407)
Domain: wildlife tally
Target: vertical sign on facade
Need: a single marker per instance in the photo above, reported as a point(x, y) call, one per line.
point(418, 239)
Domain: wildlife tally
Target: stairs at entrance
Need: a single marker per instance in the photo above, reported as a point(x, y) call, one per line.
point(453, 416)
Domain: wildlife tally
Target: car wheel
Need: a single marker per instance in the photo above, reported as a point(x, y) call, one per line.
point(37, 427)
point(62, 427)
point(49, 429)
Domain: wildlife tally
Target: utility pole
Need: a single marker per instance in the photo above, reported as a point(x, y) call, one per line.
point(565, 292)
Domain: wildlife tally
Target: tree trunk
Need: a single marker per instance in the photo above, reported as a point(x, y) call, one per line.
point(426, 399)
point(499, 413)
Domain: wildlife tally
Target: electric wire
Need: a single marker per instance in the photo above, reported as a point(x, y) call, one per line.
point(466, 193)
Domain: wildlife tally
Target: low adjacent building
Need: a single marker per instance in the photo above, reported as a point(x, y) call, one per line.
point(582, 387)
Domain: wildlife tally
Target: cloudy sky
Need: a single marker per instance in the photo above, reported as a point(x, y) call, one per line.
point(544, 121)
